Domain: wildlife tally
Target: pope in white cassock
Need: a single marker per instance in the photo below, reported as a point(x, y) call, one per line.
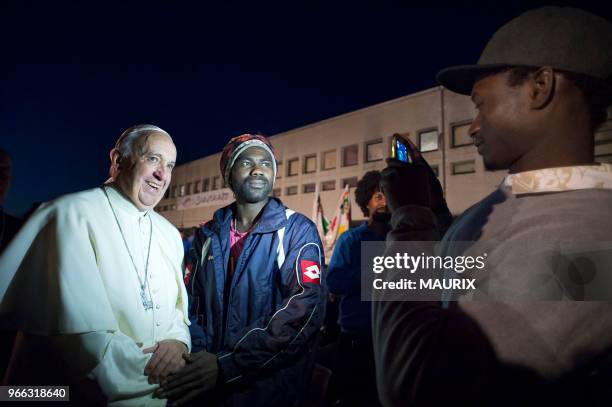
point(93, 284)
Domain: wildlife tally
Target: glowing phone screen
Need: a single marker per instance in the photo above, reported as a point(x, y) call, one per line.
point(402, 152)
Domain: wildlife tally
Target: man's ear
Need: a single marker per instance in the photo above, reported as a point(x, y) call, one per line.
point(542, 87)
point(115, 158)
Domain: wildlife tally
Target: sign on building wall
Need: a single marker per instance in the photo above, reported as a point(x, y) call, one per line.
point(220, 197)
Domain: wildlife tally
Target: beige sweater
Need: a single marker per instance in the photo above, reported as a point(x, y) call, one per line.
point(507, 323)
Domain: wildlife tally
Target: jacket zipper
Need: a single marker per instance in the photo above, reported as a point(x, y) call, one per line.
point(229, 296)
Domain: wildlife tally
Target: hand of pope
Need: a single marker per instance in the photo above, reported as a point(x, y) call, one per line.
point(167, 358)
point(199, 376)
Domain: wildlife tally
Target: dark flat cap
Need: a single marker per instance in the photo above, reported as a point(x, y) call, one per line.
point(563, 38)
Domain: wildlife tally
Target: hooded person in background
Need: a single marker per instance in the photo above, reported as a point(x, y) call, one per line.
point(540, 88)
point(257, 298)
point(9, 224)
point(93, 283)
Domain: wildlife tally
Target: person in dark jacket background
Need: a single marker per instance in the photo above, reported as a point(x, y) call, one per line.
point(354, 378)
point(257, 298)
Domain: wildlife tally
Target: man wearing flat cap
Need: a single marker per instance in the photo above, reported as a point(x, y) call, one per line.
point(530, 331)
point(257, 299)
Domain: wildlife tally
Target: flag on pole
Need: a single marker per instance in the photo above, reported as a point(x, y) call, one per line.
point(318, 217)
point(342, 217)
point(340, 223)
point(329, 232)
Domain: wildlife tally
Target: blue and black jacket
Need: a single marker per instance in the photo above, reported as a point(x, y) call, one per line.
point(264, 323)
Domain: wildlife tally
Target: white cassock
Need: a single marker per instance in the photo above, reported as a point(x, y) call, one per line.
point(68, 282)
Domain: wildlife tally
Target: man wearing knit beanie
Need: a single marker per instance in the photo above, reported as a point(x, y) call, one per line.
point(257, 299)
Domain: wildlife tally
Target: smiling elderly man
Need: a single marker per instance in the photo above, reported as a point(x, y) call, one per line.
point(93, 283)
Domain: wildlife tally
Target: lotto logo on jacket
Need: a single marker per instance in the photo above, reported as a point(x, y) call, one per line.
point(311, 271)
point(187, 277)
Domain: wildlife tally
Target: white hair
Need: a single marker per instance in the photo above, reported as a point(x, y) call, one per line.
point(131, 144)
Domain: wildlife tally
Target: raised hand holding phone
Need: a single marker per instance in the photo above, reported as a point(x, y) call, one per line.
point(407, 180)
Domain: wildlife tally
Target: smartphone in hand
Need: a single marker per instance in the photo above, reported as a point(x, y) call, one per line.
point(403, 150)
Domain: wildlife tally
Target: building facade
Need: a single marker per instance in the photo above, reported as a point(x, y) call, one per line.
point(335, 152)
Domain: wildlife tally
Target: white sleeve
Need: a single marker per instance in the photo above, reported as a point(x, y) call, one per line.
point(52, 262)
point(178, 328)
point(111, 359)
point(120, 372)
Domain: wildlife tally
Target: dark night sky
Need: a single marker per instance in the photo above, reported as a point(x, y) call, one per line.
point(73, 75)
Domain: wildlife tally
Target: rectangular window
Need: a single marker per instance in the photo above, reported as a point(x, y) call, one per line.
point(196, 187)
point(328, 185)
point(351, 182)
point(373, 151)
point(173, 193)
point(605, 158)
point(293, 190)
point(216, 183)
point(205, 184)
point(428, 140)
point(310, 164)
point(188, 189)
point(461, 135)
point(603, 147)
point(464, 167)
point(279, 170)
point(328, 160)
point(182, 190)
point(350, 155)
point(603, 137)
point(308, 188)
point(293, 167)
point(276, 192)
